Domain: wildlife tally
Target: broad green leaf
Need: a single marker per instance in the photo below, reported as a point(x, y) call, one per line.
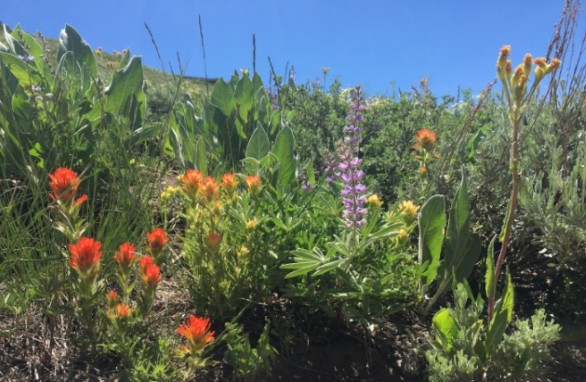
point(223, 97)
point(462, 248)
point(244, 97)
point(200, 156)
point(432, 220)
point(446, 328)
point(258, 145)
point(81, 53)
point(284, 151)
point(125, 83)
point(33, 47)
point(19, 70)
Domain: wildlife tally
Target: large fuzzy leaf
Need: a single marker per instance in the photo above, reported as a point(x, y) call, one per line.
point(432, 220)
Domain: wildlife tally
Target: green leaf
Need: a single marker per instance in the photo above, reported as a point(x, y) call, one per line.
point(462, 248)
point(330, 266)
point(502, 317)
point(446, 328)
point(33, 47)
point(19, 70)
point(223, 97)
point(126, 83)
point(258, 145)
point(489, 286)
point(284, 151)
point(200, 156)
point(244, 97)
point(432, 220)
point(81, 53)
point(305, 261)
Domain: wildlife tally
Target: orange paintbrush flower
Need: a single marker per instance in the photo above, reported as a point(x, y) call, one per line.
point(157, 239)
point(85, 254)
point(151, 273)
point(197, 333)
point(123, 311)
point(253, 184)
point(64, 184)
point(229, 183)
point(209, 189)
point(425, 139)
point(191, 181)
point(125, 256)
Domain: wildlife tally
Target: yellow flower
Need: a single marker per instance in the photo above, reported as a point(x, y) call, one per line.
point(403, 234)
point(408, 211)
point(243, 251)
point(374, 201)
point(251, 224)
point(169, 192)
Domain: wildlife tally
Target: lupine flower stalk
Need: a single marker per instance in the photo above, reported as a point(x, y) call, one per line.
point(353, 191)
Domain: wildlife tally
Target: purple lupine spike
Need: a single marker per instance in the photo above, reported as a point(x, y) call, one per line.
point(353, 192)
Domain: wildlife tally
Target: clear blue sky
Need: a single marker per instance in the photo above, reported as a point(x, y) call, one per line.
point(372, 43)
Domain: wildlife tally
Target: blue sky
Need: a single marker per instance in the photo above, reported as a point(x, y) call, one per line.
point(373, 43)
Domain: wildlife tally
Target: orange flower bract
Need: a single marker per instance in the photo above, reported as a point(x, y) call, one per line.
point(157, 239)
point(85, 254)
point(64, 184)
point(197, 332)
point(253, 183)
point(151, 273)
point(425, 139)
point(209, 189)
point(123, 311)
point(229, 183)
point(191, 181)
point(125, 256)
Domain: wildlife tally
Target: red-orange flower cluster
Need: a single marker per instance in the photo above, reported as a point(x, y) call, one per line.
point(64, 183)
point(191, 181)
point(209, 189)
point(425, 139)
point(85, 254)
point(197, 333)
point(157, 239)
point(123, 311)
point(125, 256)
point(151, 273)
point(229, 183)
point(253, 184)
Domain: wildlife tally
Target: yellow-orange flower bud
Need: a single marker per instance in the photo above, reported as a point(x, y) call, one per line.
point(527, 63)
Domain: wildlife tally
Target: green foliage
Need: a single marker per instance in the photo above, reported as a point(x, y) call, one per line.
point(248, 363)
point(458, 247)
point(367, 276)
point(467, 348)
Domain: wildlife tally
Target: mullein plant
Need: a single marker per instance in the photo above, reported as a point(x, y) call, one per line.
point(518, 94)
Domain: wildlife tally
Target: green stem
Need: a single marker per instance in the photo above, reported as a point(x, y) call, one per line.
point(513, 201)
